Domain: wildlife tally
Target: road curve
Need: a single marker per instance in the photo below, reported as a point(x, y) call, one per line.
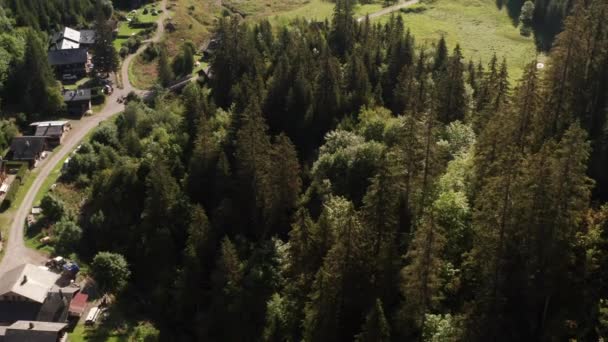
point(389, 9)
point(16, 253)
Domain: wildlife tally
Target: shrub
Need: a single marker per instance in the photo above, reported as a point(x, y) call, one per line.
point(67, 236)
point(124, 51)
point(105, 135)
point(98, 99)
point(414, 9)
point(145, 11)
point(52, 208)
point(110, 271)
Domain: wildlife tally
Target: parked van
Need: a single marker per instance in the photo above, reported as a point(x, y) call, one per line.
point(94, 313)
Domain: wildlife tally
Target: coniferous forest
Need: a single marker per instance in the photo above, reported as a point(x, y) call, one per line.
point(339, 181)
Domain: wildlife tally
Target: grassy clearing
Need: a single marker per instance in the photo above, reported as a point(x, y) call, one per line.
point(142, 74)
point(320, 10)
point(148, 17)
point(193, 21)
point(262, 8)
point(478, 26)
point(125, 31)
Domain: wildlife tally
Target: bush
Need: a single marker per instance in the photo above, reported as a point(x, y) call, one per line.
point(98, 99)
point(414, 9)
point(133, 43)
point(67, 236)
point(52, 208)
point(124, 51)
point(11, 194)
point(151, 52)
point(110, 271)
point(105, 135)
point(145, 11)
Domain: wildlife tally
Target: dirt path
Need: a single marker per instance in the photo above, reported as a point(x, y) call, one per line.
point(16, 253)
point(389, 9)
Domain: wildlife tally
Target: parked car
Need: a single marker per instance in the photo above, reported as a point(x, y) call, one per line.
point(69, 77)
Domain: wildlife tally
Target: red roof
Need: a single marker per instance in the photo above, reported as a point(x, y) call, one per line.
point(78, 304)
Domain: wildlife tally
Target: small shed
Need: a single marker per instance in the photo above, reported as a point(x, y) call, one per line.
point(78, 304)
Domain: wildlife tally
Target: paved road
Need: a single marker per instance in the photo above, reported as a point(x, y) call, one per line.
point(15, 251)
point(389, 9)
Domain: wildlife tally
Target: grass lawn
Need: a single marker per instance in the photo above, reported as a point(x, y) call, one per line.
point(478, 26)
point(77, 84)
point(320, 10)
point(125, 31)
point(146, 18)
point(262, 8)
point(142, 74)
point(82, 333)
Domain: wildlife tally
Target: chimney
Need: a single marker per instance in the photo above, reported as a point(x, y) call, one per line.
point(24, 280)
point(31, 325)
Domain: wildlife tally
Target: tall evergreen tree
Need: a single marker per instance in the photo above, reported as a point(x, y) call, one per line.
point(105, 57)
point(39, 91)
point(376, 327)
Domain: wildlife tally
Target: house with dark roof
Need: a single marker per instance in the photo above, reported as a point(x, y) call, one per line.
point(53, 131)
point(69, 62)
point(27, 149)
point(72, 39)
point(33, 331)
point(78, 101)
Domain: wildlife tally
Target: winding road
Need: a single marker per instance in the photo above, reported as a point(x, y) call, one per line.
point(16, 253)
point(389, 9)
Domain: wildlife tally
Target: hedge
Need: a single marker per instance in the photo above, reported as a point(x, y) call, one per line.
point(11, 194)
point(141, 25)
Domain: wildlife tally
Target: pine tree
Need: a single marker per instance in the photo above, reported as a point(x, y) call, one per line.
point(343, 26)
point(341, 290)
point(286, 182)
point(328, 96)
point(421, 275)
point(376, 327)
point(440, 60)
point(253, 168)
point(165, 74)
point(40, 93)
point(451, 92)
point(227, 292)
point(359, 89)
point(105, 57)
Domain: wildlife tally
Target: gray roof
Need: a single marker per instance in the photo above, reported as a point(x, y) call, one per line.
point(69, 56)
point(87, 37)
point(25, 148)
point(77, 95)
point(49, 131)
point(55, 307)
point(34, 331)
point(28, 281)
point(14, 311)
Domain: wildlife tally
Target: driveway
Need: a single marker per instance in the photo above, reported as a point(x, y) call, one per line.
point(15, 251)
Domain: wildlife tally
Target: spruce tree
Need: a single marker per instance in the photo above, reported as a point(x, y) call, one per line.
point(376, 327)
point(40, 92)
point(105, 57)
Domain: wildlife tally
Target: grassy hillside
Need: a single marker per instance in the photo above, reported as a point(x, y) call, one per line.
point(478, 25)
